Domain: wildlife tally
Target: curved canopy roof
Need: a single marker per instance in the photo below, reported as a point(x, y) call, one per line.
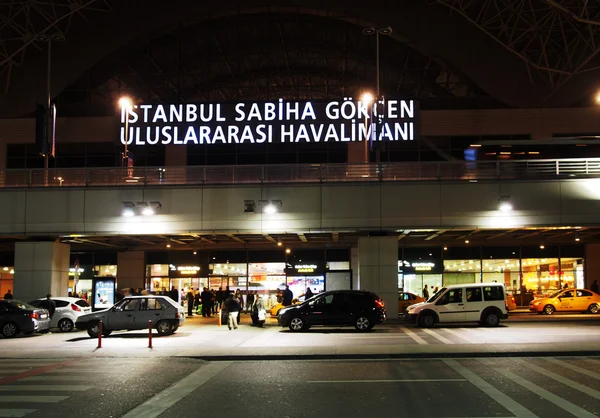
point(445, 53)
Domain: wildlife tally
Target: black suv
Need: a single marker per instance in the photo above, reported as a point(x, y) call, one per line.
point(337, 307)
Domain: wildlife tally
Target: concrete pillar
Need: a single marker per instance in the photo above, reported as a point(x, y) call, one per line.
point(354, 267)
point(378, 263)
point(175, 156)
point(41, 268)
point(131, 269)
point(591, 267)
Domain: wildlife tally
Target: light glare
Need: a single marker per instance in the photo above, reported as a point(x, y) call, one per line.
point(128, 212)
point(270, 209)
point(505, 207)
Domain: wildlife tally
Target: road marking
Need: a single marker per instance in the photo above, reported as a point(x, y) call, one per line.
point(32, 399)
point(387, 381)
point(459, 335)
point(543, 393)
point(573, 367)
point(21, 370)
point(414, 336)
point(368, 337)
point(438, 336)
point(158, 404)
point(46, 388)
point(15, 412)
point(37, 371)
point(501, 398)
point(47, 378)
point(564, 380)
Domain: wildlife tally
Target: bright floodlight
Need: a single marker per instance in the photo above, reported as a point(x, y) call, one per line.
point(505, 207)
point(598, 98)
point(367, 98)
point(148, 211)
point(128, 212)
point(125, 102)
point(270, 209)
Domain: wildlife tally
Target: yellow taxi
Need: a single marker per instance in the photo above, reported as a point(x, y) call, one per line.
point(405, 299)
point(274, 311)
point(567, 300)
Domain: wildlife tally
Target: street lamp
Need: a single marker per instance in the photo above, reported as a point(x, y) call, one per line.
point(377, 31)
point(126, 105)
point(367, 99)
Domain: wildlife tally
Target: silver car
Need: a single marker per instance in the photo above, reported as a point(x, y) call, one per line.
point(135, 313)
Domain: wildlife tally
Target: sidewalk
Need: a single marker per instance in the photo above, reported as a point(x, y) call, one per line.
point(203, 338)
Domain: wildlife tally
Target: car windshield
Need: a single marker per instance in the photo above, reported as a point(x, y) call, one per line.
point(22, 305)
point(555, 294)
point(436, 294)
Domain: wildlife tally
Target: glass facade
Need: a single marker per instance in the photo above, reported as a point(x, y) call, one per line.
point(523, 270)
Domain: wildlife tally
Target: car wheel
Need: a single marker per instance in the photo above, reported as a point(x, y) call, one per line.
point(93, 330)
point(491, 320)
point(10, 330)
point(65, 325)
point(296, 324)
point(549, 309)
point(164, 328)
point(594, 308)
point(363, 324)
point(426, 320)
point(175, 328)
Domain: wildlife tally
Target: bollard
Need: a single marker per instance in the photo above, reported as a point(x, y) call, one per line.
point(99, 334)
point(149, 333)
point(219, 318)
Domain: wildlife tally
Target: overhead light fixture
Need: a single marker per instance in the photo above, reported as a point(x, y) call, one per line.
point(287, 251)
point(249, 206)
point(279, 243)
point(270, 207)
point(466, 241)
point(542, 246)
point(128, 209)
point(504, 204)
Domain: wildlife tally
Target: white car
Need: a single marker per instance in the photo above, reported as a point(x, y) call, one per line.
point(67, 312)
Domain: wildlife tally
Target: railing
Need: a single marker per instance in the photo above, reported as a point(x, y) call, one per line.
point(302, 173)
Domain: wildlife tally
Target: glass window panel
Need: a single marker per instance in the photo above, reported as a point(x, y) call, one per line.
point(460, 278)
point(474, 294)
point(461, 253)
point(541, 274)
point(493, 293)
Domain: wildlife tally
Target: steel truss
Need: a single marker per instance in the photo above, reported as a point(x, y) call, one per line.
point(23, 23)
point(557, 38)
point(267, 56)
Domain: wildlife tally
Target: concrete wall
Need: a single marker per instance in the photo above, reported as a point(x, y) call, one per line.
point(305, 208)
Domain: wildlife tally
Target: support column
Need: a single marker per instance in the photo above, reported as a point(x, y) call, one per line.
point(41, 268)
point(354, 266)
point(131, 270)
point(591, 267)
point(378, 263)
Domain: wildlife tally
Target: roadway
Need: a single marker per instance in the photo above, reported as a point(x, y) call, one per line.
point(183, 387)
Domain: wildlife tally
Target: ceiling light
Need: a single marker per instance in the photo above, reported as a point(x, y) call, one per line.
point(279, 244)
point(270, 209)
point(148, 211)
point(287, 251)
point(505, 207)
point(128, 212)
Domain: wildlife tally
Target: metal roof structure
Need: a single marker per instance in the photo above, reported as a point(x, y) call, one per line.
point(445, 53)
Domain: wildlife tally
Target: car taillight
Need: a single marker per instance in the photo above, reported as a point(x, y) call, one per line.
point(379, 303)
point(177, 315)
point(75, 307)
point(34, 315)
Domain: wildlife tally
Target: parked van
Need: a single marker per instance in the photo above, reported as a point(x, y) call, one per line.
point(476, 302)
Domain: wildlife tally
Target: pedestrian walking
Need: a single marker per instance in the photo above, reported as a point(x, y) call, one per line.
point(189, 297)
point(426, 292)
point(233, 307)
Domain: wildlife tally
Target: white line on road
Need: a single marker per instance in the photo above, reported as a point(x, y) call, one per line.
point(414, 336)
point(45, 388)
point(369, 337)
point(459, 335)
point(543, 393)
point(574, 368)
point(158, 404)
point(506, 401)
point(46, 378)
point(387, 381)
point(564, 380)
point(438, 336)
point(15, 412)
point(32, 399)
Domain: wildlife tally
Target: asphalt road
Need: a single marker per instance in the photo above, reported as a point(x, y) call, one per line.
point(146, 388)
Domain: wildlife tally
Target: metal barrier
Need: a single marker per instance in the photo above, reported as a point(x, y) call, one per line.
point(301, 173)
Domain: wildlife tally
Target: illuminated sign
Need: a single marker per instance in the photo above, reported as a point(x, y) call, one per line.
point(188, 269)
point(404, 266)
point(306, 268)
point(278, 121)
point(73, 271)
point(423, 266)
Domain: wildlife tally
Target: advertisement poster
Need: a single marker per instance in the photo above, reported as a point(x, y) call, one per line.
point(104, 293)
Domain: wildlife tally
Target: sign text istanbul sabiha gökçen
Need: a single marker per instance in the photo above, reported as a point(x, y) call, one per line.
point(269, 122)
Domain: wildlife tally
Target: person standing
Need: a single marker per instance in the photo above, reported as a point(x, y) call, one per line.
point(174, 294)
point(593, 288)
point(249, 301)
point(189, 297)
point(426, 292)
point(233, 307)
point(219, 298)
point(9, 295)
point(240, 299)
point(308, 294)
point(287, 296)
point(49, 305)
point(206, 297)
